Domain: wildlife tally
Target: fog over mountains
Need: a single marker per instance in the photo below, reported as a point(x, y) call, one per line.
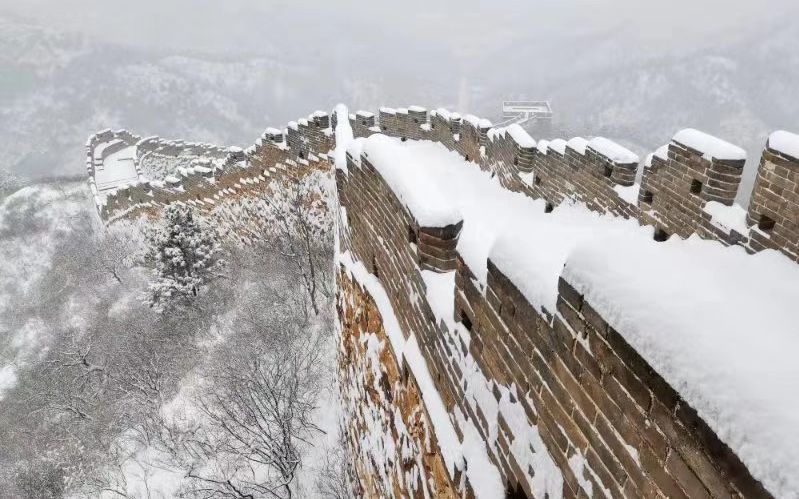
point(223, 73)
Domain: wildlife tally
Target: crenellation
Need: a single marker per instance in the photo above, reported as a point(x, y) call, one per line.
point(773, 210)
point(553, 174)
point(200, 169)
point(677, 183)
point(445, 127)
point(388, 121)
point(470, 142)
point(587, 392)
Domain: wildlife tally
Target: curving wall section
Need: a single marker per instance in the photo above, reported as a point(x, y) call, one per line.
point(213, 171)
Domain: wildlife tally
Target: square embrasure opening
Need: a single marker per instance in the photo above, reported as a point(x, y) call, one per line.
point(765, 223)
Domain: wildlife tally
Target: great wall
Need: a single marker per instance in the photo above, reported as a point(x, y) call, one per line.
point(491, 391)
point(196, 174)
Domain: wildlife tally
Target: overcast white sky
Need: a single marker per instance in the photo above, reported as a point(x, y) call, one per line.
point(467, 27)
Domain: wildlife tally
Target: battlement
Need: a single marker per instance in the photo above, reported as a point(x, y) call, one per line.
point(128, 173)
point(773, 213)
point(534, 347)
point(686, 187)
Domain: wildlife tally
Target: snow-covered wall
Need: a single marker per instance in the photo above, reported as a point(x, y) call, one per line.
point(384, 413)
point(774, 208)
point(195, 173)
point(685, 187)
point(532, 396)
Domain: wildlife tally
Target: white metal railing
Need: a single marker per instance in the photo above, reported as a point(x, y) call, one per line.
point(522, 111)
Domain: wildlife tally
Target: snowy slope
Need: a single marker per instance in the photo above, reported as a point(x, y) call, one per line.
point(33, 222)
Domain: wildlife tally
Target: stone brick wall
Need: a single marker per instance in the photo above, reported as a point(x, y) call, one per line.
point(578, 386)
point(393, 246)
point(680, 186)
point(384, 408)
point(304, 146)
point(774, 209)
point(587, 395)
point(589, 392)
point(674, 190)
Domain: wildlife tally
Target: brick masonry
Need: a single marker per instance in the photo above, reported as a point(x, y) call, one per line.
point(582, 387)
point(774, 209)
point(674, 189)
point(383, 408)
point(285, 154)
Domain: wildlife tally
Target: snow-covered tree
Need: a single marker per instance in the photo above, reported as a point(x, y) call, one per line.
point(293, 221)
point(8, 182)
point(185, 255)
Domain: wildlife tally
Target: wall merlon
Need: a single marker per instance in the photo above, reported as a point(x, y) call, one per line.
point(774, 207)
point(274, 135)
point(365, 119)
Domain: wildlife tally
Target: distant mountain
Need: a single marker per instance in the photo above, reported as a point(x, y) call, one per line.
point(56, 88)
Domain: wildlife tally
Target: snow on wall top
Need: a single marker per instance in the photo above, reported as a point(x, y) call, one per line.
point(446, 114)
point(711, 147)
point(661, 152)
point(405, 175)
point(450, 184)
point(558, 145)
point(533, 252)
point(578, 144)
point(727, 218)
point(785, 142)
point(542, 146)
point(613, 151)
point(719, 325)
point(477, 122)
point(518, 134)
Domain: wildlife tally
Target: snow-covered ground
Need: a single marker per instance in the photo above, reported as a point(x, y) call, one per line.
point(716, 323)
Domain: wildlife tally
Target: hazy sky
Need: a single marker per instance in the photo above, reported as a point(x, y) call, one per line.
point(466, 27)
